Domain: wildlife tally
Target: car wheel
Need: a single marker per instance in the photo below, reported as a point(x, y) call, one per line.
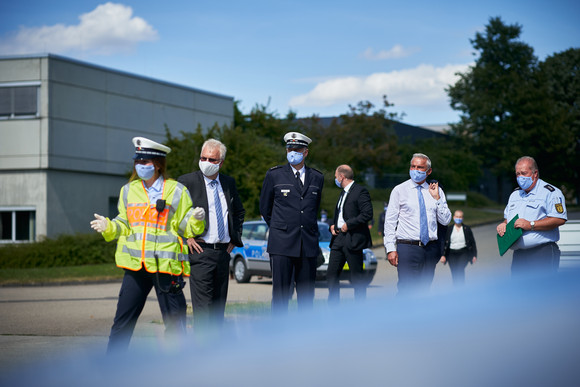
point(241, 271)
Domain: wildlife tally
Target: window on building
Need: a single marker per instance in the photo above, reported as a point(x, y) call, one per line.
point(17, 225)
point(19, 101)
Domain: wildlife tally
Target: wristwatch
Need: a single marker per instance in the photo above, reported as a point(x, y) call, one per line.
point(532, 223)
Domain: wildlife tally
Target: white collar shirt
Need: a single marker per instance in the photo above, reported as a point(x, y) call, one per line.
point(211, 235)
point(302, 172)
point(457, 238)
point(402, 217)
point(155, 192)
point(340, 221)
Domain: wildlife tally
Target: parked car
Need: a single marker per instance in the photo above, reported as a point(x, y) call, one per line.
point(253, 259)
point(569, 245)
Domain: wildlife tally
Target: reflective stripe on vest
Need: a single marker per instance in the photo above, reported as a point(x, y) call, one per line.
point(149, 234)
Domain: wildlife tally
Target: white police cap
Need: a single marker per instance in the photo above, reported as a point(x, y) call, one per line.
point(146, 149)
point(295, 139)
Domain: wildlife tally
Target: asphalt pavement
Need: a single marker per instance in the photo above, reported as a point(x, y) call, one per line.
point(41, 322)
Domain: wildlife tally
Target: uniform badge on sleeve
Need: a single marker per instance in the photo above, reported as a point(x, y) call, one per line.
point(559, 208)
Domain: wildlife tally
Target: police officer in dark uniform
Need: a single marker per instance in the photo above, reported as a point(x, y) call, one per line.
point(289, 203)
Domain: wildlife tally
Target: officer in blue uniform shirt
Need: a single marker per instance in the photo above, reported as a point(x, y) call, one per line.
point(289, 203)
point(541, 209)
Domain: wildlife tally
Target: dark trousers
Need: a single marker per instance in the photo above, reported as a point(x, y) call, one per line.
point(416, 267)
point(289, 271)
point(458, 260)
point(132, 296)
point(542, 259)
point(209, 282)
point(339, 255)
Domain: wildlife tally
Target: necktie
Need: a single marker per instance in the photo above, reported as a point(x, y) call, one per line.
point(340, 200)
point(339, 209)
point(424, 230)
point(299, 180)
point(218, 210)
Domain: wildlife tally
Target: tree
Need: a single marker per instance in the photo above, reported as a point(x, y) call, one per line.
point(454, 165)
point(505, 109)
point(360, 138)
point(249, 153)
point(561, 76)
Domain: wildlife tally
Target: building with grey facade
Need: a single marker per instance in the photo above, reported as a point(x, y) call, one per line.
point(65, 138)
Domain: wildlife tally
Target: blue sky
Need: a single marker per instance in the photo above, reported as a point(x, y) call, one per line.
point(314, 57)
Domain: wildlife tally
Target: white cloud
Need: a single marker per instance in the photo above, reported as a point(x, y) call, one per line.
point(396, 52)
point(423, 85)
point(107, 29)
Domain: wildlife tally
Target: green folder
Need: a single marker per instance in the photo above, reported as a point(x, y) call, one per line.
point(511, 235)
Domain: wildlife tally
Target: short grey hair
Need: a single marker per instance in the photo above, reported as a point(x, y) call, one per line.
point(212, 143)
point(530, 160)
point(421, 156)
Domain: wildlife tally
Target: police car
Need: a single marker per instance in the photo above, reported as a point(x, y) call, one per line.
point(569, 245)
point(253, 259)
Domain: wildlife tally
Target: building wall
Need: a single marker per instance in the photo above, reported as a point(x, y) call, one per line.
point(73, 198)
point(24, 142)
point(94, 114)
point(72, 160)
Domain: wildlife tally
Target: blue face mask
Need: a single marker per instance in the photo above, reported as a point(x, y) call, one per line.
point(145, 172)
point(295, 158)
point(337, 183)
point(417, 176)
point(525, 182)
point(458, 220)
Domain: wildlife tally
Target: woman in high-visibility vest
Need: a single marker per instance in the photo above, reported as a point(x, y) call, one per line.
point(154, 213)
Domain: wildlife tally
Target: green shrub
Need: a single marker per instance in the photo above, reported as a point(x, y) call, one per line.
point(66, 250)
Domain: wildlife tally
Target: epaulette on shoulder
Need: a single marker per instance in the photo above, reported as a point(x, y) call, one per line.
point(517, 189)
point(276, 167)
point(549, 188)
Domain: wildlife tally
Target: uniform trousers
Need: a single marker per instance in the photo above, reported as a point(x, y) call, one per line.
point(209, 282)
point(542, 259)
point(285, 272)
point(339, 255)
point(458, 260)
point(416, 266)
point(135, 288)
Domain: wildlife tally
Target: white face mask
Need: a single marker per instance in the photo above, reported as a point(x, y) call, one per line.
point(208, 169)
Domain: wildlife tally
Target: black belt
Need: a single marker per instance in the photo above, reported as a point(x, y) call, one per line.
point(408, 242)
point(215, 246)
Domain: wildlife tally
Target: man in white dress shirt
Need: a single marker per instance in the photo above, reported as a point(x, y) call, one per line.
point(410, 238)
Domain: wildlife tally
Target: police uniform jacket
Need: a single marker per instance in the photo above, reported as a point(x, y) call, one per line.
point(544, 200)
point(195, 183)
point(291, 212)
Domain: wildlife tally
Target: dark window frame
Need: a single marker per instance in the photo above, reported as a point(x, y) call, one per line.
point(19, 100)
point(17, 224)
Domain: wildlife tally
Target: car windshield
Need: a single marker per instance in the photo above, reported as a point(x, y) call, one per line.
point(325, 235)
point(258, 231)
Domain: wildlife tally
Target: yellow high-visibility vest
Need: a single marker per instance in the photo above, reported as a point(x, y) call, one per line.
point(142, 232)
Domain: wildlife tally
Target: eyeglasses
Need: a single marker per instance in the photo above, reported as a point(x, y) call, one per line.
point(215, 161)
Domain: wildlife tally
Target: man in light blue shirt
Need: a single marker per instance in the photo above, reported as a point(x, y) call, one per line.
point(541, 209)
point(410, 238)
